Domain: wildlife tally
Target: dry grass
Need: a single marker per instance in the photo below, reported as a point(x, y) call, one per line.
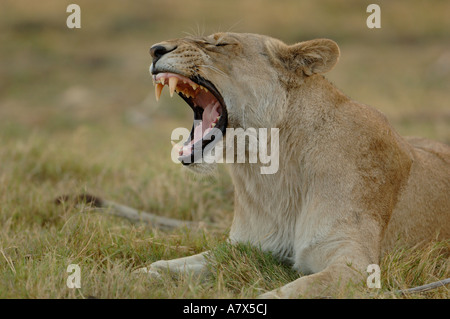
point(74, 117)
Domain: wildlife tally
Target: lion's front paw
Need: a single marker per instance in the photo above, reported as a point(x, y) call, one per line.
point(142, 270)
point(154, 270)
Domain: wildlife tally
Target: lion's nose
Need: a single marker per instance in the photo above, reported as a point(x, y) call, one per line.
point(158, 50)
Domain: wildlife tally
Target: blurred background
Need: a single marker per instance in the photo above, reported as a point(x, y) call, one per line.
point(53, 78)
point(77, 106)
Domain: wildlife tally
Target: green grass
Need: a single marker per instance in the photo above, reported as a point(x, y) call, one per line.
point(75, 117)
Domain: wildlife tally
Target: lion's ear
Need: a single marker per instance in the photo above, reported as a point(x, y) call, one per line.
point(314, 56)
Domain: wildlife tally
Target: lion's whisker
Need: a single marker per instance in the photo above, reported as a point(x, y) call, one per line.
point(213, 68)
point(230, 29)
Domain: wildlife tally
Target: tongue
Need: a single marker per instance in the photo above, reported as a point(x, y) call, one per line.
point(210, 114)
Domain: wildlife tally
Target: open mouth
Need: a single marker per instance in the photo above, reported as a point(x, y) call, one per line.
point(210, 114)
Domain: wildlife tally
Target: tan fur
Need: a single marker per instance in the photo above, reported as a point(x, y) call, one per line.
point(348, 186)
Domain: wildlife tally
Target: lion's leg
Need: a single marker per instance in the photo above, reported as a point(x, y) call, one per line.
point(195, 265)
point(321, 284)
point(347, 267)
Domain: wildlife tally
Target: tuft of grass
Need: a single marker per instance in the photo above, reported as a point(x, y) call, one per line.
point(247, 271)
point(405, 268)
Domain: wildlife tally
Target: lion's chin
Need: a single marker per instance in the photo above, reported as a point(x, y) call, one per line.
point(202, 168)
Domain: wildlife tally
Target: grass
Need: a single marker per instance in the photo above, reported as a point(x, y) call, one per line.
point(75, 117)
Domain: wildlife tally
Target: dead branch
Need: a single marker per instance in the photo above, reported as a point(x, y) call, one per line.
point(133, 215)
point(424, 288)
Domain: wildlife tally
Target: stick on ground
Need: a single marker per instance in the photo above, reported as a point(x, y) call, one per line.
point(134, 215)
point(424, 288)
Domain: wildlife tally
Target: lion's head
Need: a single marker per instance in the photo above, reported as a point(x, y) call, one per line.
point(233, 80)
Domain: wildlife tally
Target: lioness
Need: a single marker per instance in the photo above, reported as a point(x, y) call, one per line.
point(348, 186)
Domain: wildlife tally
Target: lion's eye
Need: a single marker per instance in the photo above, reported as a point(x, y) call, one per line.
point(206, 43)
point(218, 44)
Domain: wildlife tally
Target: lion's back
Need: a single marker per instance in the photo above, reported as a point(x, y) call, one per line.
point(436, 148)
point(423, 210)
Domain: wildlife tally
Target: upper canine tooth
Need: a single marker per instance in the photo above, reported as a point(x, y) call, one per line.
point(194, 86)
point(172, 85)
point(158, 90)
